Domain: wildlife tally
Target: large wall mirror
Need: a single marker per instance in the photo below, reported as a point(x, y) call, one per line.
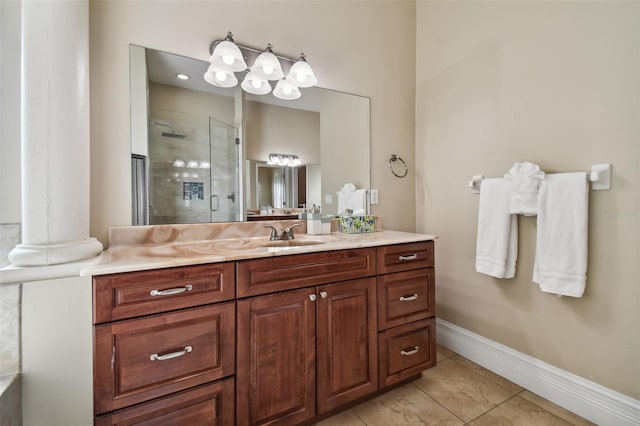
point(200, 153)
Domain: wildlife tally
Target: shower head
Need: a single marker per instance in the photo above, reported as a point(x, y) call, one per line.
point(171, 134)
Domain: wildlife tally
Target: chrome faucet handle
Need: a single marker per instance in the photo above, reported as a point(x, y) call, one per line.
point(289, 230)
point(274, 232)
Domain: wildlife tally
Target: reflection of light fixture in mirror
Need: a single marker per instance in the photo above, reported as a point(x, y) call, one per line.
point(219, 77)
point(204, 165)
point(255, 85)
point(178, 163)
point(227, 56)
point(266, 66)
point(181, 76)
point(301, 73)
point(192, 164)
point(286, 90)
point(284, 160)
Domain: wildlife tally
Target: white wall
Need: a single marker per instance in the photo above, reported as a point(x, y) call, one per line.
point(343, 41)
point(558, 84)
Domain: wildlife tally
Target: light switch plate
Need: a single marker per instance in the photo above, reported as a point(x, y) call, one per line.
point(374, 196)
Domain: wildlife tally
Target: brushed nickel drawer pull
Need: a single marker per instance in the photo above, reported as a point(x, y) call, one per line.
point(414, 296)
point(409, 352)
point(171, 291)
point(408, 257)
point(156, 357)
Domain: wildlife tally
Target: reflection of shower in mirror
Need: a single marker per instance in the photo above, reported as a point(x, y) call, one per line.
point(171, 134)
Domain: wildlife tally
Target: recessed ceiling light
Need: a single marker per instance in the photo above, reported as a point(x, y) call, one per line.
point(182, 76)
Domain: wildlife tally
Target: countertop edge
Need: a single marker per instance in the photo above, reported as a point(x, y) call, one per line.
point(133, 258)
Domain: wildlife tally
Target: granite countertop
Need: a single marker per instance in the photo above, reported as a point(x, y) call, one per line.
point(153, 247)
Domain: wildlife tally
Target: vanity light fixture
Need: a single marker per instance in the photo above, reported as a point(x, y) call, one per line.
point(228, 58)
point(301, 73)
point(284, 160)
point(227, 55)
point(285, 90)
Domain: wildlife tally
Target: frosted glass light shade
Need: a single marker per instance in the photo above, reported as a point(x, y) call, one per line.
point(287, 91)
point(255, 85)
point(267, 66)
point(227, 56)
point(220, 77)
point(301, 74)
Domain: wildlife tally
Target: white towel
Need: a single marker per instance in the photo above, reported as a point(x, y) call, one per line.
point(497, 243)
point(359, 202)
point(344, 198)
point(561, 248)
point(524, 178)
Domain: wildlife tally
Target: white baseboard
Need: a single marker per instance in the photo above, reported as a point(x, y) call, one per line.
point(590, 400)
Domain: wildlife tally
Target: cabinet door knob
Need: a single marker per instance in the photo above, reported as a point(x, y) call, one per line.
point(323, 294)
point(313, 297)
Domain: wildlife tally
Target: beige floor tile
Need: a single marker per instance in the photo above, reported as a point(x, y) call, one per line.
point(462, 391)
point(519, 412)
point(346, 418)
point(406, 406)
point(443, 353)
point(567, 415)
point(495, 378)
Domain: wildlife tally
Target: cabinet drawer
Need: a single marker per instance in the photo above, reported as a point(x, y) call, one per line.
point(133, 294)
point(141, 359)
point(405, 296)
point(280, 273)
point(404, 257)
point(406, 351)
point(210, 404)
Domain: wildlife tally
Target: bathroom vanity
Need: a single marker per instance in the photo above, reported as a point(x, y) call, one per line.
point(249, 332)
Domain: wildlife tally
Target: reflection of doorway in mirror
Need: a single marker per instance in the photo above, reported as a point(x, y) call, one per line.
point(279, 187)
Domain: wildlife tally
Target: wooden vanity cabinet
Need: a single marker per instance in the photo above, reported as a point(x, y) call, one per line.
point(315, 333)
point(163, 342)
point(406, 311)
point(305, 352)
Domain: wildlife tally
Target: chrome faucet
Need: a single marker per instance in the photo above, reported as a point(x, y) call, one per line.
point(287, 233)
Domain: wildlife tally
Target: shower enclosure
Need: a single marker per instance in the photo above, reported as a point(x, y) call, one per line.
point(194, 169)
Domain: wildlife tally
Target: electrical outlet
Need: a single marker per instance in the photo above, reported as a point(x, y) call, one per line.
point(374, 196)
point(328, 199)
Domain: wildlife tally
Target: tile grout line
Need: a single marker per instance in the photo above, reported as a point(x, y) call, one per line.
point(438, 402)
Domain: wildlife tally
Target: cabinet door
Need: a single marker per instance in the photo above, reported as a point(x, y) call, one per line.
point(347, 342)
point(142, 359)
point(208, 405)
point(407, 350)
point(276, 371)
point(404, 297)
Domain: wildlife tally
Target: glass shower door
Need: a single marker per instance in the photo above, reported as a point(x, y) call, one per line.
point(194, 169)
point(225, 195)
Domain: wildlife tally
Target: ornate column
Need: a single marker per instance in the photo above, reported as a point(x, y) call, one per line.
point(55, 134)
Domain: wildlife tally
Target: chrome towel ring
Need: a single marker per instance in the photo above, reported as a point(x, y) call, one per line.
point(392, 160)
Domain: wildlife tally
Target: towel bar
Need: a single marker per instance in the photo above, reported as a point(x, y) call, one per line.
point(600, 178)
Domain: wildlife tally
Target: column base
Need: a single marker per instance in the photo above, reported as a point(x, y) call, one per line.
point(54, 254)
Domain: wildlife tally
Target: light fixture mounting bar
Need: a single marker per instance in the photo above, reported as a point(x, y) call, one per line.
point(250, 53)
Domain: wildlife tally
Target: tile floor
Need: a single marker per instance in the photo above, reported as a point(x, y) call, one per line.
point(457, 392)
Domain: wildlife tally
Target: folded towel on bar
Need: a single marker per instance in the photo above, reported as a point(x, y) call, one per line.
point(561, 249)
point(525, 179)
point(497, 241)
